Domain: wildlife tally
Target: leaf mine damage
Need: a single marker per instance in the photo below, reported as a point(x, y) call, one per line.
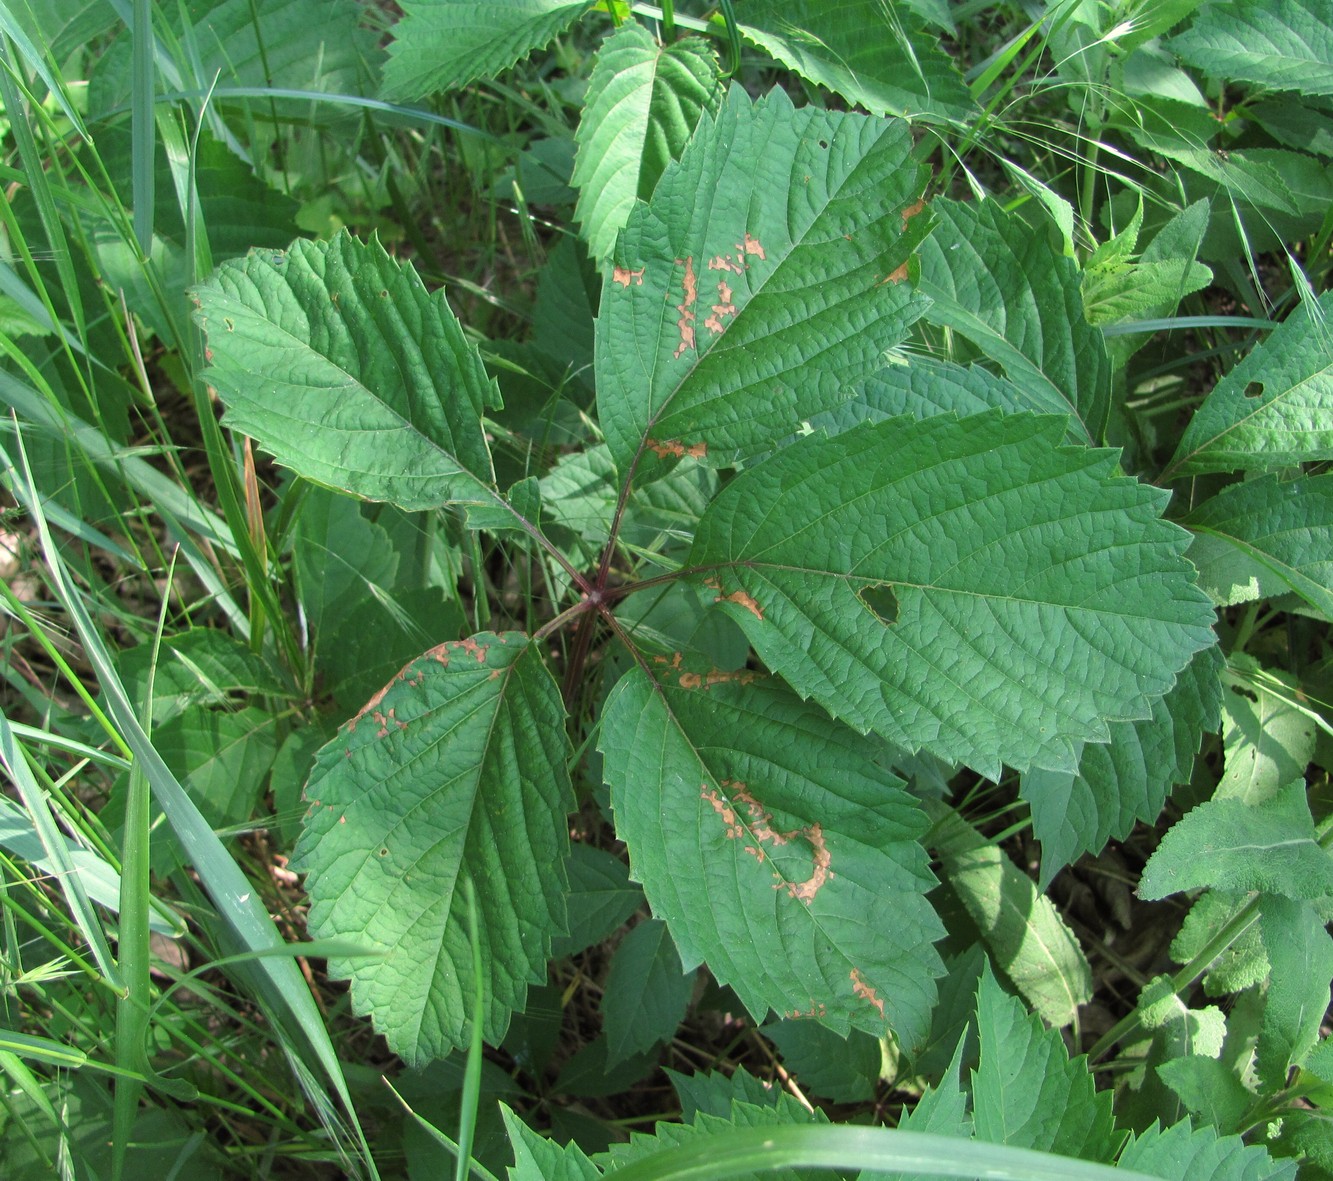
point(757, 823)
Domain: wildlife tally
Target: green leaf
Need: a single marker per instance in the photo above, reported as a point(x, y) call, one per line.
point(999, 284)
point(767, 839)
point(1019, 925)
point(458, 768)
point(321, 45)
point(1201, 1155)
point(643, 103)
point(715, 1092)
point(601, 898)
point(860, 50)
point(844, 1069)
point(1265, 537)
point(222, 759)
point(1128, 779)
point(1241, 964)
point(199, 667)
point(646, 992)
point(1268, 737)
point(334, 357)
point(539, 1158)
point(742, 1115)
point(373, 639)
point(923, 387)
point(445, 44)
point(1191, 1031)
point(1276, 44)
point(967, 587)
point(724, 323)
point(1027, 1093)
point(1301, 954)
point(1274, 408)
point(1210, 1090)
point(1234, 846)
point(341, 559)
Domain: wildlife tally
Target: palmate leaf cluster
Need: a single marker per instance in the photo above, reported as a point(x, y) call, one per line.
point(813, 560)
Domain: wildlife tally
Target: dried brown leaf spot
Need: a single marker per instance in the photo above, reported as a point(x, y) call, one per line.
point(865, 992)
point(674, 448)
point(626, 277)
point(706, 681)
point(912, 210)
point(741, 599)
point(757, 823)
point(686, 308)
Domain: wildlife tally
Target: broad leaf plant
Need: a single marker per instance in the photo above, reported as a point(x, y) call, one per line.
point(836, 485)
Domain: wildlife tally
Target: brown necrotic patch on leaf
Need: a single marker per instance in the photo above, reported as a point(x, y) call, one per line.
point(865, 992)
point(724, 307)
point(912, 210)
point(471, 645)
point(716, 676)
point(744, 816)
point(741, 599)
point(625, 277)
point(675, 448)
point(686, 307)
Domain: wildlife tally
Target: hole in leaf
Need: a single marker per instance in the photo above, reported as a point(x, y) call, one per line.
point(1255, 389)
point(823, 143)
point(881, 601)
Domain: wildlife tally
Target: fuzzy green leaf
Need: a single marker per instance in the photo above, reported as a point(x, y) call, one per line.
point(1276, 44)
point(998, 283)
point(445, 44)
point(1274, 408)
point(1201, 1155)
point(969, 587)
point(725, 322)
point(1128, 779)
point(775, 849)
point(646, 992)
point(643, 102)
point(1266, 537)
point(1301, 954)
point(457, 770)
point(334, 358)
point(1209, 1088)
point(1234, 846)
point(860, 50)
point(1027, 1093)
